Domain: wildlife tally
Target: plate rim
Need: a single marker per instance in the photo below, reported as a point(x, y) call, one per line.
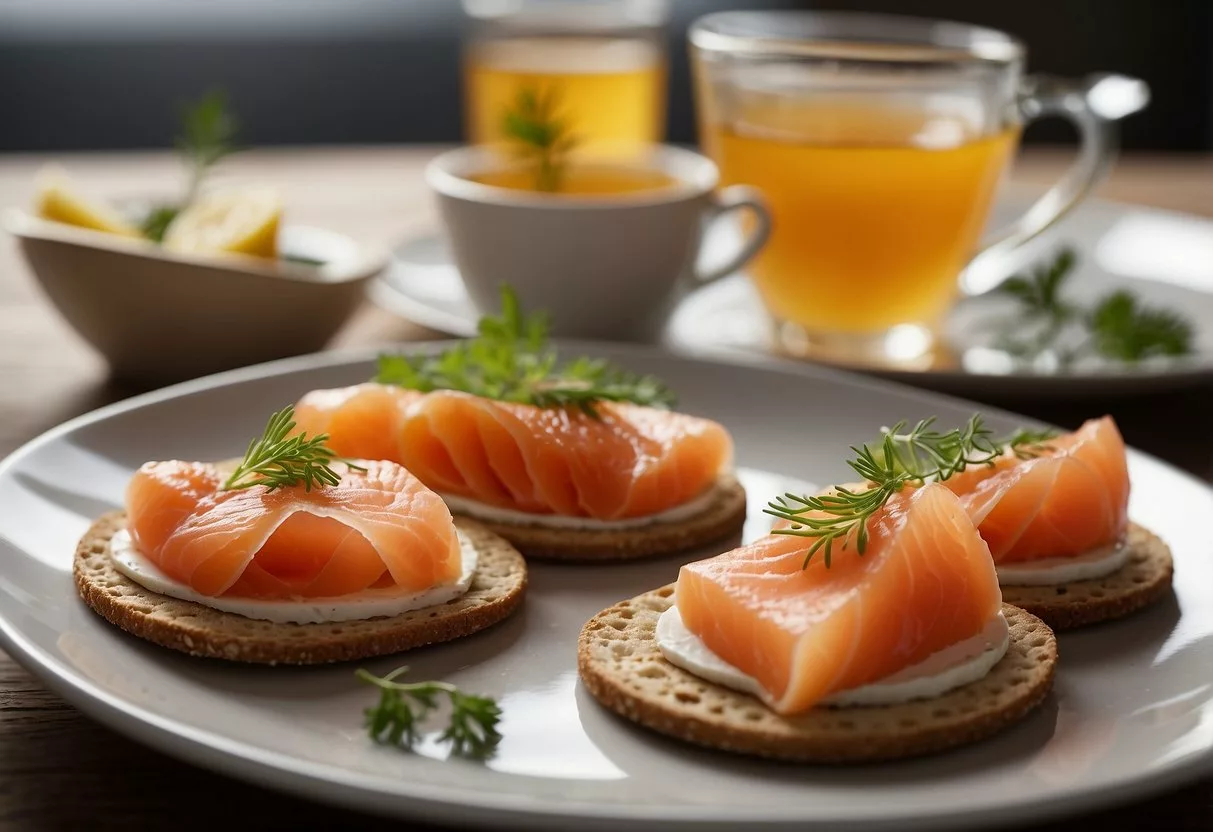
point(332, 784)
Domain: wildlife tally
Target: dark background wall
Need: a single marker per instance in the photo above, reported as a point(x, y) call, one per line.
point(83, 74)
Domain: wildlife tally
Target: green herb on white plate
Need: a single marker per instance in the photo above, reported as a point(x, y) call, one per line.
point(402, 707)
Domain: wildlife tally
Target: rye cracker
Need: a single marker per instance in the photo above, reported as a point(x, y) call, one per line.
point(1146, 578)
point(623, 668)
point(497, 589)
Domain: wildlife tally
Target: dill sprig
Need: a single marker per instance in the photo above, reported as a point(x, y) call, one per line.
point(901, 457)
point(1040, 292)
point(1118, 327)
point(539, 135)
point(509, 360)
point(208, 132)
point(846, 511)
point(472, 726)
point(1028, 444)
point(277, 459)
point(208, 135)
point(925, 452)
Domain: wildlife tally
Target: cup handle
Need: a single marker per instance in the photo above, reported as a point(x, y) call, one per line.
point(726, 201)
point(1093, 105)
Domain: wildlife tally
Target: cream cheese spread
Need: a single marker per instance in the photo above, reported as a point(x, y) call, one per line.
point(950, 668)
point(370, 603)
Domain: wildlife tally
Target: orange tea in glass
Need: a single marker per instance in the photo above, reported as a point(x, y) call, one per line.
point(604, 62)
point(879, 144)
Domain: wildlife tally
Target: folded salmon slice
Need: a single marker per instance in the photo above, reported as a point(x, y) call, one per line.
point(1071, 498)
point(632, 462)
point(378, 528)
point(925, 582)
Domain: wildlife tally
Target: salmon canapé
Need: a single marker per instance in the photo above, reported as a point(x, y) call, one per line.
point(1072, 496)
point(378, 528)
point(924, 582)
point(630, 461)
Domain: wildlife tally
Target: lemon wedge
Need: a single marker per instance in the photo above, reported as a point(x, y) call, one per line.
point(57, 198)
point(241, 221)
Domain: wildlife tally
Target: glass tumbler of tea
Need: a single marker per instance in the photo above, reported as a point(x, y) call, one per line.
point(879, 143)
point(595, 67)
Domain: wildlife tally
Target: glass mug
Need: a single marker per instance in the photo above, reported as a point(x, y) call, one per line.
point(603, 63)
point(879, 143)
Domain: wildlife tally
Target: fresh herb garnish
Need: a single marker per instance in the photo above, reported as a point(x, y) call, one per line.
point(509, 360)
point(539, 135)
point(208, 135)
point(208, 131)
point(1124, 328)
point(899, 459)
point(1118, 327)
point(1028, 444)
point(471, 730)
point(277, 459)
point(157, 221)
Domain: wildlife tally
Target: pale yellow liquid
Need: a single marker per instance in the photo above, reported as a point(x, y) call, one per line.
point(611, 91)
point(595, 180)
point(875, 213)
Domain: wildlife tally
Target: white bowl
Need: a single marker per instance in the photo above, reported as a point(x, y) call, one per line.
point(159, 316)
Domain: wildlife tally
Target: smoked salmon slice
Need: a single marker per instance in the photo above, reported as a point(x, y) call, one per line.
point(924, 583)
point(1071, 497)
point(377, 528)
point(632, 461)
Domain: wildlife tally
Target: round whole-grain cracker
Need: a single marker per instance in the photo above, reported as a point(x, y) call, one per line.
point(497, 589)
point(1146, 578)
point(724, 515)
point(622, 667)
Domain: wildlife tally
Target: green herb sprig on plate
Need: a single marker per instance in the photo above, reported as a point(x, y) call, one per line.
point(509, 360)
point(394, 720)
point(900, 458)
point(539, 135)
point(1118, 327)
point(278, 460)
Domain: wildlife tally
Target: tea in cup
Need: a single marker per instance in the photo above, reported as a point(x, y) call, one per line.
point(608, 254)
point(879, 143)
point(605, 61)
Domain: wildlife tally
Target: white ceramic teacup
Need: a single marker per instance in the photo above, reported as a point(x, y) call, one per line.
point(608, 267)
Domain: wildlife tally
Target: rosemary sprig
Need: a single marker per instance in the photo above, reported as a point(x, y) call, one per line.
point(509, 360)
point(539, 135)
point(472, 727)
point(277, 459)
point(901, 457)
point(1118, 327)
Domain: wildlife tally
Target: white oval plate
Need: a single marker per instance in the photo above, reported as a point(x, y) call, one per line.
point(1132, 710)
point(1166, 257)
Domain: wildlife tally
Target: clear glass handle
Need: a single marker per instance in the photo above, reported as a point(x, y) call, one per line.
point(1094, 105)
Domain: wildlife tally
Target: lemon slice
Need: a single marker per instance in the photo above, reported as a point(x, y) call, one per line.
point(57, 198)
point(235, 222)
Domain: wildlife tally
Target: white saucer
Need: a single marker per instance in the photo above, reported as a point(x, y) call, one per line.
point(1165, 257)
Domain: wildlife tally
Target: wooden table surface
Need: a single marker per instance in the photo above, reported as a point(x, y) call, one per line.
point(60, 770)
